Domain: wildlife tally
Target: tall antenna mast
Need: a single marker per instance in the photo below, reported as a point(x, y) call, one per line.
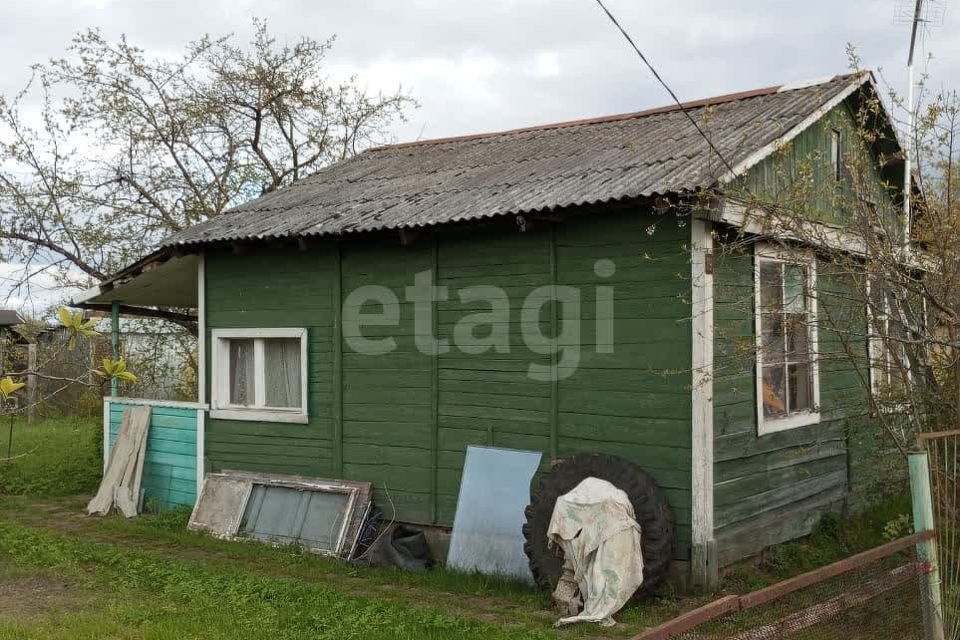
point(927, 13)
point(911, 118)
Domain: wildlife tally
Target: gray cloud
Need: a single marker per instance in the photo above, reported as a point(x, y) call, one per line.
point(497, 64)
point(503, 63)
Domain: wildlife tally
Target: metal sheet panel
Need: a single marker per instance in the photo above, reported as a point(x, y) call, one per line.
point(487, 527)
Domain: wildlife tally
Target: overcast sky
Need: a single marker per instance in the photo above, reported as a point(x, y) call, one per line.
point(481, 65)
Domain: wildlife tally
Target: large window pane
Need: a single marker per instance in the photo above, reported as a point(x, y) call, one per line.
point(288, 515)
point(241, 372)
point(281, 358)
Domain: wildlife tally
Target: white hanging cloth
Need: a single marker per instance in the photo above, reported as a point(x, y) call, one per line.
point(594, 525)
point(120, 486)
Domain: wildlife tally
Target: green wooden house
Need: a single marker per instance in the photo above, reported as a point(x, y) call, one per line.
point(563, 288)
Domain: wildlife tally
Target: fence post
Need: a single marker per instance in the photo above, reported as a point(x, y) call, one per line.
point(927, 550)
point(115, 343)
point(31, 382)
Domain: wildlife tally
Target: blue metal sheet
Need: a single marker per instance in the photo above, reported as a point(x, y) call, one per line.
point(488, 525)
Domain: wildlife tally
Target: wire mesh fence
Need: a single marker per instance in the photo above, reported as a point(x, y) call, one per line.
point(943, 450)
point(878, 595)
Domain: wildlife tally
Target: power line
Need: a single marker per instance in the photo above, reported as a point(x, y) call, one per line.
point(665, 86)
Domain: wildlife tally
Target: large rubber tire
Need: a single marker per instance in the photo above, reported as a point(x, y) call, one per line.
point(650, 508)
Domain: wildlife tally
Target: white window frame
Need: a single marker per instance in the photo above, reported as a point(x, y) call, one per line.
point(876, 347)
point(221, 408)
point(769, 253)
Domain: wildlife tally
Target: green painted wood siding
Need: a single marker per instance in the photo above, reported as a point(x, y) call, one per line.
point(775, 487)
point(170, 466)
point(407, 417)
point(800, 176)
point(277, 288)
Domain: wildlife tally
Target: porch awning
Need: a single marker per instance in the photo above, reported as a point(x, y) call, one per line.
point(160, 280)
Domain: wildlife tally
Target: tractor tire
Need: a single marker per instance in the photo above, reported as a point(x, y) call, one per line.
point(649, 505)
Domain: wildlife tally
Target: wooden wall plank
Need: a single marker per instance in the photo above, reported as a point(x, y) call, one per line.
point(406, 418)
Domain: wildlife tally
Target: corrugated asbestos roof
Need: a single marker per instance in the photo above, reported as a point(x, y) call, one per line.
point(524, 170)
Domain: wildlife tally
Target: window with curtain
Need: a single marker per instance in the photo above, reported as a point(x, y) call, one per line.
point(787, 376)
point(259, 374)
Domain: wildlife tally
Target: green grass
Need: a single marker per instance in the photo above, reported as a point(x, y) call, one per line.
point(153, 578)
point(171, 527)
point(149, 595)
point(471, 596)
point(54, 457)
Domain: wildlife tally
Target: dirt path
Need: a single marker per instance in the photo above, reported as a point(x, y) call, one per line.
point(27, 595)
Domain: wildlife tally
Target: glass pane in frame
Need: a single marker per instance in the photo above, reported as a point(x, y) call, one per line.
point(797, 332)
point(282, 368)
point(771, 286)
point(794, 288)
point(772, 338)
point(774, 392)
point(800, 384)
point(241, 372)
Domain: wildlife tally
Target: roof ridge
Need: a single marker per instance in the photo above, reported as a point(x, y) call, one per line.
point(620, 117)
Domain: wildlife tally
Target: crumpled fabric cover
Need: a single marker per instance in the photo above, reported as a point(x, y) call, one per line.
point(120, 486)
point(594, 525)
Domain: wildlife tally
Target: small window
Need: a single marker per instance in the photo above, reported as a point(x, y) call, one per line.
point(260, 374)
point(787, 376)
point(836, 153)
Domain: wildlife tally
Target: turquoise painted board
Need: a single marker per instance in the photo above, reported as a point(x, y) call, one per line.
point(170, 469)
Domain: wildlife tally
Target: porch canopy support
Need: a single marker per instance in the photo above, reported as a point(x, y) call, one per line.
point(163, 285)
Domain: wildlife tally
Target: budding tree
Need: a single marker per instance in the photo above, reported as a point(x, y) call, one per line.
point(887, 292)
point(111, 148)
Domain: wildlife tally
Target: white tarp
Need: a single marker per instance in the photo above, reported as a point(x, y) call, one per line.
point(120, 486)
point(603, 561)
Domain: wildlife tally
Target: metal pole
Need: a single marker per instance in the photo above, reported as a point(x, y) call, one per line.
point(908, 160)
point(927, 550)
point(115, 343)
point(908, 140)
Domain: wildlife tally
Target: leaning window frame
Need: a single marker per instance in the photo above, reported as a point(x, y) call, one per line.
point(220, 407)
point(226, 518)
point(766, 252)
